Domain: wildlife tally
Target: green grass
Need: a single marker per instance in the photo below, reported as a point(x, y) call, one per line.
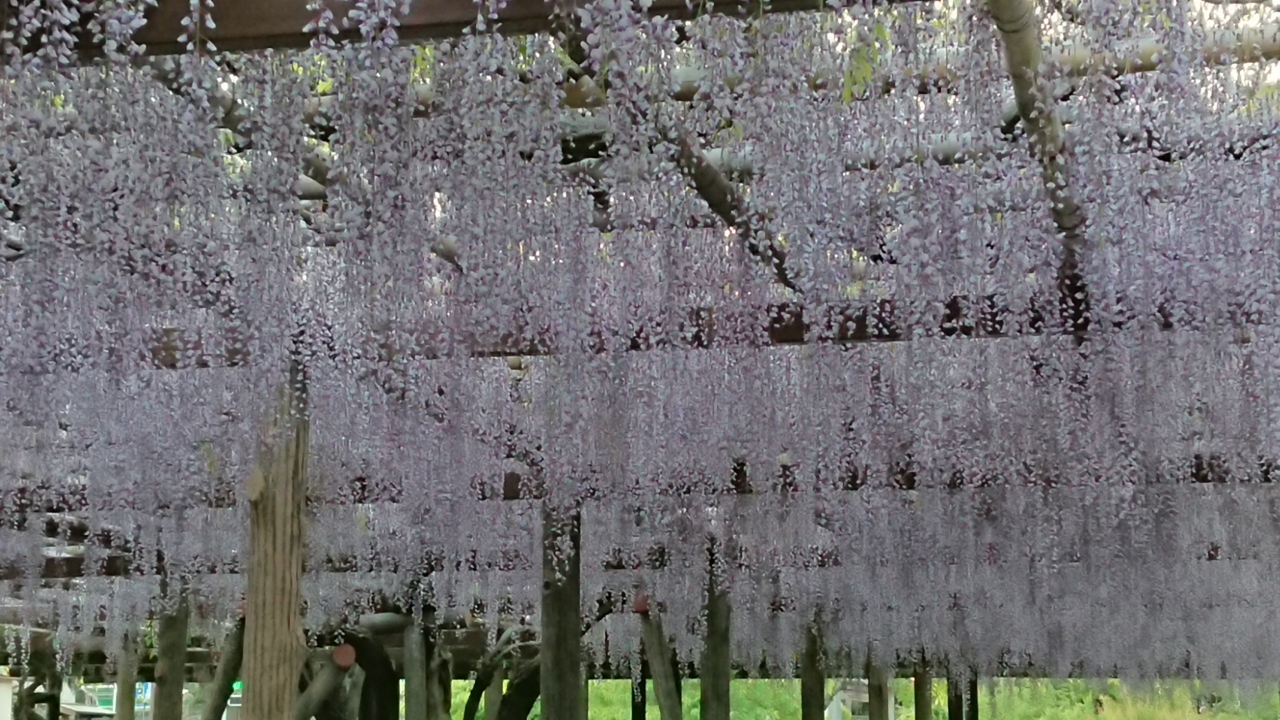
point(999, 700)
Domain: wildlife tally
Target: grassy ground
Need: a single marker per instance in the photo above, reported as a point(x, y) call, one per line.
point(1000, 700)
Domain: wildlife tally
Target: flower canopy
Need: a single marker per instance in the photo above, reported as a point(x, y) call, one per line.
point(951, 323)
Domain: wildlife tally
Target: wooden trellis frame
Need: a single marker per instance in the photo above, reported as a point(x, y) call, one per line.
point(253, 24)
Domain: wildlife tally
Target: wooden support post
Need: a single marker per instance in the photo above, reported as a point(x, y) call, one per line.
point(955, 698)
point(224, 678)
point(439, 681)
point(813, 680)
point(415, 673)
point(716, 672)
point(666, 683)
point(326, 682)
point(171, 659)
point(54, 686)
point(561, 653)
point(274, 646)
point(923, 689)
point(639, 701)
point(127, 679)
point(355, 689)
point(971, 711)
point(877, 693)
point(493, 695)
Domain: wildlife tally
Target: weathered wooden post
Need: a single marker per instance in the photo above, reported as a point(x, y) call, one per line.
point(923, 690)
point(224, 678)
point(274, 646)
point(415, 673)
point(666, 683)
point(561, 653)
point(171, 656)
point(955, 697)
point(716, 672)
point(127, 678)
point(877, 693)
point(813, 680)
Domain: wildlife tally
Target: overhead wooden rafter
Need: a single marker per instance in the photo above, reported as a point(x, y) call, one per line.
point(243, 25)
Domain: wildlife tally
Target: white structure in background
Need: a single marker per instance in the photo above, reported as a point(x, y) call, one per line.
point(68, 707)
point(8, 686)
point(852, 699)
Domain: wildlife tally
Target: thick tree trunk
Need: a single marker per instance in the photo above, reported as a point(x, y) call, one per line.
point(224, 678)
point(171, 661)
point(127, 680)
point(561, 653)
point(274, 647)
point(666, 683)
point(923, 689)
point(716, 671)
point(813, 680)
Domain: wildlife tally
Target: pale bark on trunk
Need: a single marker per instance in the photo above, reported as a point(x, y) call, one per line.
point(224, 678)
point(274, 647)
point(1019, 26)
point(171, 661)
point(666, 685)
point(415, 674)
point(813, 680)
point(561, 651)
point(127, 679)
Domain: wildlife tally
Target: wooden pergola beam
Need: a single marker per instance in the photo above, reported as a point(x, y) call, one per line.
point(248, 25)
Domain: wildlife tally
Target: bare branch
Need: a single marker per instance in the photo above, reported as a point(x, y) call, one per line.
point(1019, 26)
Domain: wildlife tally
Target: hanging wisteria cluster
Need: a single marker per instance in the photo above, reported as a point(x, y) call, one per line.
point(788, 282)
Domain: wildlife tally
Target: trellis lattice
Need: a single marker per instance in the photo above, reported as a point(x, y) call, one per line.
point(945, 322)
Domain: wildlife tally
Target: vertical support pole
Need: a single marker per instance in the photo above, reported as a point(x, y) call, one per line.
point(561, 654)
point(415, 673)
point(716, 672)
point(639, 700)
point(813, 680)
point(877, 693)
point(274, 646)
point(127, 679)
point(493, 695)
point(955, 698)
point(923, 689)
point(171, 659)
point(224, 678)
point(971, 712)
point(666, 682)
